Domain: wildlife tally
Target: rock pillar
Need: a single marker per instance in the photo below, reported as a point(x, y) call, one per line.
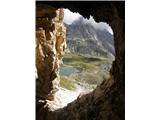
point(50, 45)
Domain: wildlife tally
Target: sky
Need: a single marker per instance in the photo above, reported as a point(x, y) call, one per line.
point(70, 17)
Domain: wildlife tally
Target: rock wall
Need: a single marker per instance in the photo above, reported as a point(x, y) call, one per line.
point(50, 45)
point(107, 101)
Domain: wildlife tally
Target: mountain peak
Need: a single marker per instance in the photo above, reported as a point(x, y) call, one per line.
point(83, 36)
point(91, 22)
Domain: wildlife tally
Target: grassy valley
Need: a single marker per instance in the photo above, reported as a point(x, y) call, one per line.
point(82, 70)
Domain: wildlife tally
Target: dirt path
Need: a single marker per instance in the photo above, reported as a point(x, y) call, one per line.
point(67, 96)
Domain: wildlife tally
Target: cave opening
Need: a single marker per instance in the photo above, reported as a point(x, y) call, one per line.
point(88, 56)
point(106, 101)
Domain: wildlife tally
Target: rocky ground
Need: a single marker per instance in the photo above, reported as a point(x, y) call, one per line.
point(66, 96)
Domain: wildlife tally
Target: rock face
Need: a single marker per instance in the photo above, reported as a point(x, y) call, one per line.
point(107, 101)
point(86, 38)
point(50, 45)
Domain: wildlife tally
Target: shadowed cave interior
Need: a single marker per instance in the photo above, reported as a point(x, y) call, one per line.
point(107, 101)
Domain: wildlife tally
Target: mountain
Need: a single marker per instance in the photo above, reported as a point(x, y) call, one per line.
point(86, 37)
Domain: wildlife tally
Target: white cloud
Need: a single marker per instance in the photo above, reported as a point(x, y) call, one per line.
point(103, 25)
point(98, 25)
point(69, 16)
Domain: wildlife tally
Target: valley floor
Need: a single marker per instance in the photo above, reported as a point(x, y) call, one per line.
point(81, 74)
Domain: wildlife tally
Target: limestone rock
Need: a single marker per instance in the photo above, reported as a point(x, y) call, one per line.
point(50, 44)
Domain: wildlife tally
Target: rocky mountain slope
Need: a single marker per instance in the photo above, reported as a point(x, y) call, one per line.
point(86, 38)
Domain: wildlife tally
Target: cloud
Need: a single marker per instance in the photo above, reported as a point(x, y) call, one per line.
point(98, 25)
point(70, 17)
point(102, 25)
